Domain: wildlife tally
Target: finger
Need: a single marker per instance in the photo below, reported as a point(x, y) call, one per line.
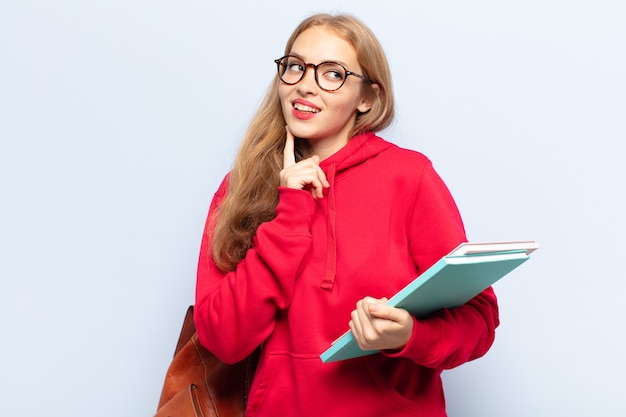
point(380, 311)
point(319, 182)
point(363, 315)
point(322, 176)
point(367, 330)
point(289, 156)
point(378, 308)
point(320, 172)
point(317, 190)
point(355, 325)
point(359, 316)
point(372, 309)
point(315, 193)
point(356, 329)
point(385, 312)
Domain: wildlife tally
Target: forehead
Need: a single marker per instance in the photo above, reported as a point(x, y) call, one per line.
point(319, 44)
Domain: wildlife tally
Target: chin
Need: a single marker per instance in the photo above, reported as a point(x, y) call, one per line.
point(299, 132)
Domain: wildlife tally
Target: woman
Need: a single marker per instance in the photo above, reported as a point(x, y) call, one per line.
point(317, 223)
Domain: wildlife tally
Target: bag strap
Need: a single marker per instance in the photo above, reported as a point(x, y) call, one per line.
point(188, 329)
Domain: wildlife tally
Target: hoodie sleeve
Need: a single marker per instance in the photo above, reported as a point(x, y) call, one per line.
point(235, 311)
point(449, 337)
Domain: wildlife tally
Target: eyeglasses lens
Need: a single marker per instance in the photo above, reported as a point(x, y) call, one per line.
point(330, 76)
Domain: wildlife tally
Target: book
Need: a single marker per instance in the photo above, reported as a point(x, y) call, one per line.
point(470, 248)
point(452, 281)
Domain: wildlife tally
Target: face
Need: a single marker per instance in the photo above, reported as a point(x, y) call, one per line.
point(325, 118)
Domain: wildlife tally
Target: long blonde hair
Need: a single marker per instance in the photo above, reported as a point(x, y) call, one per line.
point(253, 183)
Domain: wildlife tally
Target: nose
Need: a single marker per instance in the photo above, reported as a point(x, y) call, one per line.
point(308, 82)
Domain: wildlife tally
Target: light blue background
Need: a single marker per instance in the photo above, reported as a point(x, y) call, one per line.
point(119, 118)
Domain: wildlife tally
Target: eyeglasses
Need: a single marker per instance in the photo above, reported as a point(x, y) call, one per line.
point(329, 76)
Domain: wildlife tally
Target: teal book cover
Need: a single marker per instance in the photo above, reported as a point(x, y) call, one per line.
point(451, 282)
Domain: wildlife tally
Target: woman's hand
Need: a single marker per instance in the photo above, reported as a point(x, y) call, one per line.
point(377, 326)
point(306, 172)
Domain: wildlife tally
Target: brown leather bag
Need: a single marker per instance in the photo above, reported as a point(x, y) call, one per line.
point(198, 384)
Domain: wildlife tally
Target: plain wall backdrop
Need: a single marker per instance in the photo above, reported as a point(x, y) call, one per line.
point(119, 118)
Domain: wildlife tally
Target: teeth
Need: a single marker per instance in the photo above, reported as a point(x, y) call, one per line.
point(302, 107)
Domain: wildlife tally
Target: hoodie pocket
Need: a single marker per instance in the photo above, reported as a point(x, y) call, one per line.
point(290, 385)
point(262, 385)
point(405, 384)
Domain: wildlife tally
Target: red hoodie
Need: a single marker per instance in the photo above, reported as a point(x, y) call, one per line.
point(386, 217)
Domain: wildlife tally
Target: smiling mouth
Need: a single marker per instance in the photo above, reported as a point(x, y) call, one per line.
point(306, 109)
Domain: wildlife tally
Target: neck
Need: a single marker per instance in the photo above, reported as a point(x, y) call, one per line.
point(326, 148)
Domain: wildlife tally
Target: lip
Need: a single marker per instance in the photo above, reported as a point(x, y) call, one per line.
point(304, 115)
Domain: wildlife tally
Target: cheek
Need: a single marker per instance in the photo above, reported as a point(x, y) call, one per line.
point(283, 92)
point(347, 106)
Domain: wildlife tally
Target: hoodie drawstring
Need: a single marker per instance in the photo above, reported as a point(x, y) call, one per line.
point(331, 251)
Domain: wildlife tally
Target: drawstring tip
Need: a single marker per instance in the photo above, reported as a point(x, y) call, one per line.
point(327, 284)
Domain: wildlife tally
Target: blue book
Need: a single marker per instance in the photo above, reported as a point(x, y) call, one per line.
point(451, 282)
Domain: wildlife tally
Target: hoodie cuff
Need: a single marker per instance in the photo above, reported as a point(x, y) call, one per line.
point(295, 210)
point(423, 346)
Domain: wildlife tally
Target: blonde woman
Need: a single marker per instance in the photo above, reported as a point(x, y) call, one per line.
point(319, 220)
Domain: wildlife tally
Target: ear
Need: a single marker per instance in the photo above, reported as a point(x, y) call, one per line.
point(368, 98)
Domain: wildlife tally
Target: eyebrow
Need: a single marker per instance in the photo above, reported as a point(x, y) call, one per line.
point(326, 60)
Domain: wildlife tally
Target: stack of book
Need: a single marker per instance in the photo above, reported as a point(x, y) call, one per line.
point(451, 282)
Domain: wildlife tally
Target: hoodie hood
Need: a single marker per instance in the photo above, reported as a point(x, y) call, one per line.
point(359, 149)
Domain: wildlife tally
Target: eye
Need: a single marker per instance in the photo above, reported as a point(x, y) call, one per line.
point(294, 66)
point(333, 72)
point(334, 75)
